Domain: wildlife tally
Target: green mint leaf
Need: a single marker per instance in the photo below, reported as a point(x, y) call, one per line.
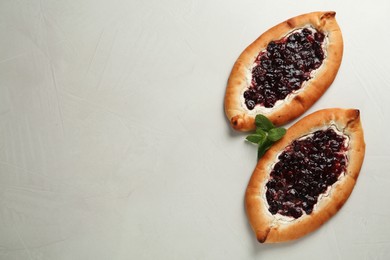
point(256, 138)
point(266, 134)
point(263, 148)
point(275, 134)
point(261, 132)
point(260, 152)
point(263, 123)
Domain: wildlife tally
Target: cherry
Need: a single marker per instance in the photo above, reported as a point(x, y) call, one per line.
point(306, 168)
point(284, 66)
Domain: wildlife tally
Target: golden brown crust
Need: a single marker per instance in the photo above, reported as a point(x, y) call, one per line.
point(270, 229)
point(296, 104)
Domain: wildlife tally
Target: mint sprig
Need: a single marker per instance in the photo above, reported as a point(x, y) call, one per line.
point(263, 123)
point(266, 134)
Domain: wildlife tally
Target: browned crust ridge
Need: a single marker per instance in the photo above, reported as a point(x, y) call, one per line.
point(268, 228)
point(296, 104)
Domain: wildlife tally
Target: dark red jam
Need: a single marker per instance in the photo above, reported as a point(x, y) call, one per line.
point(283, 67)
point(306, 168)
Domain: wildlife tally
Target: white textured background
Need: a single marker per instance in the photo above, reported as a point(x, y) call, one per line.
point(114, 144)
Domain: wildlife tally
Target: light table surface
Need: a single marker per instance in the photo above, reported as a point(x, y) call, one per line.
point(114, 143)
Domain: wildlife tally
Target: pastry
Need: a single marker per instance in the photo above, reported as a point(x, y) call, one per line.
point(307, 176)
point(284, 71)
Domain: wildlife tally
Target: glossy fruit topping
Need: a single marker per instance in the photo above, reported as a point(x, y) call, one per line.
point(284, 66)
point(306, 169)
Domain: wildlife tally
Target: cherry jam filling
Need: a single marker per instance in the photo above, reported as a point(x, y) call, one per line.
point(283, 67)
point(306, 168)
